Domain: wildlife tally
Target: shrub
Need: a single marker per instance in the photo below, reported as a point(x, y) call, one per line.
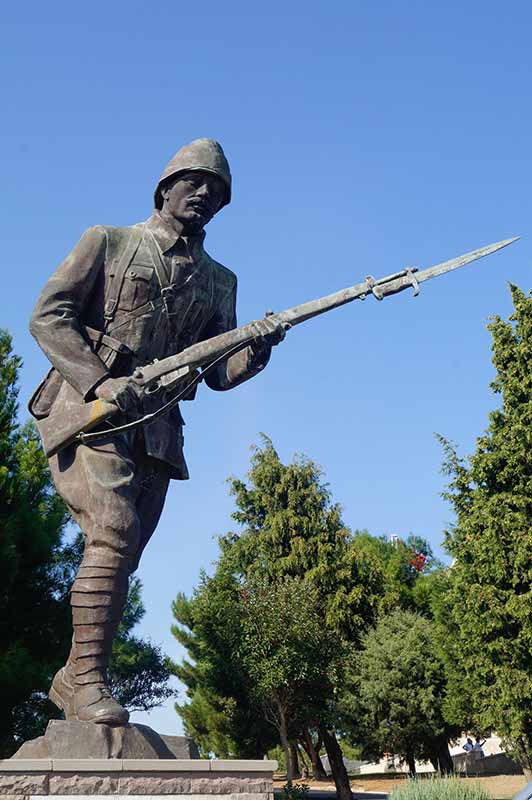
point(439, 789)
point(297, 791)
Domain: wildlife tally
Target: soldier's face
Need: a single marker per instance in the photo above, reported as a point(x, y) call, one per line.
point(194, 198)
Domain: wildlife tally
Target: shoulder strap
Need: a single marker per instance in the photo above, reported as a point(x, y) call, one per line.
point(157, 258)
point(167, 289)
point(119, 273)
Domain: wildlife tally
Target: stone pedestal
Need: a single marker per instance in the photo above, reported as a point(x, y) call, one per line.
point(194, 779)
point(87, 740)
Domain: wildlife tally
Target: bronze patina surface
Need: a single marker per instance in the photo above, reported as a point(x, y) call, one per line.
point(122, 298)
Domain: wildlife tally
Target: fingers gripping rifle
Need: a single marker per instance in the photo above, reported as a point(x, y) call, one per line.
point(178, 374)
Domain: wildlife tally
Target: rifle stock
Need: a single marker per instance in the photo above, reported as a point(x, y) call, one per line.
point(57, 430)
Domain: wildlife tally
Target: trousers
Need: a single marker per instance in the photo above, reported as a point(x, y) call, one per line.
point(116, 493)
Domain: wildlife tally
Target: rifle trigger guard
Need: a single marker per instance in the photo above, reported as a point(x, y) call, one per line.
point(409, 272)
point(138, 379)
point(371, 285)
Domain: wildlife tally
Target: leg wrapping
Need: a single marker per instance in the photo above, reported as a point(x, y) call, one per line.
point(98, 598)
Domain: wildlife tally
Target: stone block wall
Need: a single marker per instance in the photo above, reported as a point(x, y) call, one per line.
point(195, 779)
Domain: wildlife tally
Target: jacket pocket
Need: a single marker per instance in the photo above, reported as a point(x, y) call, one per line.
point(45, 394)
point(137, 288)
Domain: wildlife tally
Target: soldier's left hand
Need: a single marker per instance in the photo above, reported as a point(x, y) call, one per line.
point(269, 330)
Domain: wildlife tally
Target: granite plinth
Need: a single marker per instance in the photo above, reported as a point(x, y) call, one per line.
point(197, 779)
point(86, 740)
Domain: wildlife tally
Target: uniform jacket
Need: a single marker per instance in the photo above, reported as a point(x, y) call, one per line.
point(102, 314)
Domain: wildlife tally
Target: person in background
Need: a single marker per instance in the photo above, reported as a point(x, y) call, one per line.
point(477, 747)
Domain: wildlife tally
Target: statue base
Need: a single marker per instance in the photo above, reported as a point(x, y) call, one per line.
point(192, 779)
point(88, 740)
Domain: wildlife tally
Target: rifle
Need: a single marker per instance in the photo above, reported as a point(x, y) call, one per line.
point(179, 372)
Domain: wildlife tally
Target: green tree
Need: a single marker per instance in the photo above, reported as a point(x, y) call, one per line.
point(289, 654)
point(398, 690)
point(220, 712)
point(486, 601)
point(289, 529)
point(408, 566)
point(34, 614)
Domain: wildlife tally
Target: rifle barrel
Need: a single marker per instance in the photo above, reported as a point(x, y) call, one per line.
point(313, 308)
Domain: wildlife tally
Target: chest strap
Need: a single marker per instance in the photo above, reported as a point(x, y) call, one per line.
point(119, 274)
point(167, 289)
point(151, 305)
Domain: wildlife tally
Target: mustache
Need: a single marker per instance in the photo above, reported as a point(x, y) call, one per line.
point(200, 205)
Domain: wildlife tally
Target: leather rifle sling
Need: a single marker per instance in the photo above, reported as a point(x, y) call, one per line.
point(167, 290)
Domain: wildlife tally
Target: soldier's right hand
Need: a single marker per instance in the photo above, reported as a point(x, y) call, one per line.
point(119, 391)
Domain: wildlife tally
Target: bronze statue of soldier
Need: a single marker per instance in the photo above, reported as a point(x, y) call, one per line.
point(122, 298)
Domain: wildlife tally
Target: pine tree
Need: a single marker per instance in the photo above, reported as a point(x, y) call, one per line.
point(397, 692)
point(34, 612)
point(485, 606)
point(220, 712)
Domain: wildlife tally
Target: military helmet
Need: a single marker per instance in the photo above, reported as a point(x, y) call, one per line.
point(201, 154)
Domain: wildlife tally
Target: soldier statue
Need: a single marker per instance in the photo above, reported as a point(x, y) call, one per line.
point(122, 298)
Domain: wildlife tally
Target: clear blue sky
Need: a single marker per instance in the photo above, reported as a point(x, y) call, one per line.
point(363, 137)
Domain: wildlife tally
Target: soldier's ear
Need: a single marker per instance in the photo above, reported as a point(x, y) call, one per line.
point(166, 187)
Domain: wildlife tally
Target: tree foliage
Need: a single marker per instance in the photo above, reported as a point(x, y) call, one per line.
point(34, 614)
point(220, 712)
point(289, 654)
point(398, 691)
point(407, 568)
point(271, 635)
point(290, 527)
point(486, 599)
point(292, 540)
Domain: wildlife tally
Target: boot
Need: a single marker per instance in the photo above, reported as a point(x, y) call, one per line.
point(80, 688)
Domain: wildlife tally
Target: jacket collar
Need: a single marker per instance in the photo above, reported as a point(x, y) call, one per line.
point(167, 236)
